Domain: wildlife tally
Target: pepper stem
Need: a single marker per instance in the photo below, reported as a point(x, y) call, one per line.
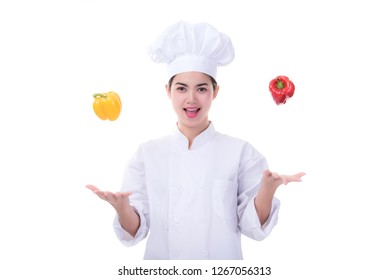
point(99, 95)
point(279, 85)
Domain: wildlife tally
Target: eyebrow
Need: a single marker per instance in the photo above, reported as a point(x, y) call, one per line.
point(185, 85)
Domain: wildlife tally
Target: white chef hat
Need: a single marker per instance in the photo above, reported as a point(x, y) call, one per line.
point(186, 47)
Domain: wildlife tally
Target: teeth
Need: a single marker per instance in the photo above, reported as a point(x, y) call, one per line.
point(192, 110)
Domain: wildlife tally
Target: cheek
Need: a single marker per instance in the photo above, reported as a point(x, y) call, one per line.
point(207, 100)
point(177, 103)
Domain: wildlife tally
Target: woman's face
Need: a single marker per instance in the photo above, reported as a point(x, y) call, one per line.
point(192, 94)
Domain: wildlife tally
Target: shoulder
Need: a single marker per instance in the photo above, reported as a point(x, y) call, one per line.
point(242, 146)
point(150, 149)
point(156, 143)
point(233, 141)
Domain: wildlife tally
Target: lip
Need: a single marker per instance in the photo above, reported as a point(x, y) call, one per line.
point(191, 112)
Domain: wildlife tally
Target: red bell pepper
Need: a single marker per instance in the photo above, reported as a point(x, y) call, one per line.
point(281, 89)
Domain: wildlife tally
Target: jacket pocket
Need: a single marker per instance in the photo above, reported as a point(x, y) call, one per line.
point(224, 198)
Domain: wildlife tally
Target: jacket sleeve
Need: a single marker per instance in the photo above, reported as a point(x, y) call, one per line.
point(134, 181)
point(250, 175)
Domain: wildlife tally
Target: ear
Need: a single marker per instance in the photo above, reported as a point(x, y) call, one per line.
point(215, 92)
point(168, 91)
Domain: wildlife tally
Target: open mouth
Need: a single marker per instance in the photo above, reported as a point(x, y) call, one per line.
point(191, 112)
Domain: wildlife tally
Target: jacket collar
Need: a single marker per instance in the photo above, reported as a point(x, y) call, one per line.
point(181, 142)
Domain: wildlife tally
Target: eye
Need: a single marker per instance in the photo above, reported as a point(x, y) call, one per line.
point(180, 89)
point(202, 89)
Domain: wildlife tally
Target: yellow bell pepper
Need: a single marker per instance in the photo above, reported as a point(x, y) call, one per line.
point(107, 105)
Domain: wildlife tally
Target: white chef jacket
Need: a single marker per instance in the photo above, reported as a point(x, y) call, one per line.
point(196, 203)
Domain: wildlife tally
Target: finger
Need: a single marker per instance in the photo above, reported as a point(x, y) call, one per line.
point(96, 191)
point(109, 195)
point(92, 188)
point(292, 178)
point(298, 176)
point(101, 195)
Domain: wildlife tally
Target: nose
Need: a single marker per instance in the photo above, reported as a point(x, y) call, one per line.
point(191, 98)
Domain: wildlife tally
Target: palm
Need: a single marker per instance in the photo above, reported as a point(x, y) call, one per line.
point(117, 199)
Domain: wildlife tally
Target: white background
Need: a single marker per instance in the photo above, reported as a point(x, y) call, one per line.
point(55, 54)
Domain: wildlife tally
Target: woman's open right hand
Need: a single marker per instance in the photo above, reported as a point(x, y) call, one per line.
point(118, 200)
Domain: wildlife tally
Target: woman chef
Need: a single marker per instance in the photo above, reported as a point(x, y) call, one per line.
point(195, 191)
